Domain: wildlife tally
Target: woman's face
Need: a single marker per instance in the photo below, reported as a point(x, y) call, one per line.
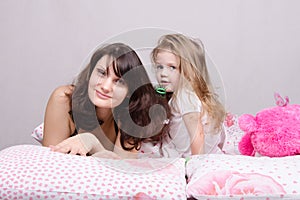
point(167, 68)
point(106, 90)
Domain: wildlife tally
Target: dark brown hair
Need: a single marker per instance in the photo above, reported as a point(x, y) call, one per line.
point(136, 108)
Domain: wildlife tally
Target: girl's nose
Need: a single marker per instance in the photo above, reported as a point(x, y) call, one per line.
point(164, 71)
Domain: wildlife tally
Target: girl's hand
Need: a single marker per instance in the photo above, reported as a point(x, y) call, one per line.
point(106, 154)
point(80, 144)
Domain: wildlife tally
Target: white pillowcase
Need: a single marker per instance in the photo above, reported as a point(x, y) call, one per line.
point(38, 133)
point(233, 135)
point(34, 171)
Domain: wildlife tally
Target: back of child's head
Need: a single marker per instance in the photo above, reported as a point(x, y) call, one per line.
point(191, 53)
point(145, 119)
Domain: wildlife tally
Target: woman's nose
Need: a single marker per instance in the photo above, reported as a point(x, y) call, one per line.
point(106, 84)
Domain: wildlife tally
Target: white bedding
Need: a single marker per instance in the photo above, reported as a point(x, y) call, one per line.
point(28, 171)
point(34, 172)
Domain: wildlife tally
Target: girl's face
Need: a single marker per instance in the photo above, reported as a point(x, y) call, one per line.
point(167, 67)
point(106, 90)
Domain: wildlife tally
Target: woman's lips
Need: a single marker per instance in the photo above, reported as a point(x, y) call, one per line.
point(102, 96)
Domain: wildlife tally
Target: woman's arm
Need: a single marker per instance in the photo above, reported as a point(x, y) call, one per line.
point(194, 126)
point(58, 124)
point(82, 144)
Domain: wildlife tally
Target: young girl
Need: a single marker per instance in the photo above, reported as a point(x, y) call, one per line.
point(109, 105)
point(196, 126)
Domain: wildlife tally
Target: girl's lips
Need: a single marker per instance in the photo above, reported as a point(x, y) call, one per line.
point(102, 96)
point(164, 83)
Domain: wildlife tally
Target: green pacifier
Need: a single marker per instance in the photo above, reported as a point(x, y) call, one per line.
point(161, 90)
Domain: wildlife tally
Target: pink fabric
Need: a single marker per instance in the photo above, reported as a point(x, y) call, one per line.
point(273, 132)
point(226, 182)
point(243, 177)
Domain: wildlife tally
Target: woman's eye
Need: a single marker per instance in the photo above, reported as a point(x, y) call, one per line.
point(101, 72)
point(121, 81)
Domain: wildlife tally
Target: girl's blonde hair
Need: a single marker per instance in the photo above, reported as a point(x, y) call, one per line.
point(191, 53)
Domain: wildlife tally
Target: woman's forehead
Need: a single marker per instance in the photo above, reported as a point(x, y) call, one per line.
point(105, 61)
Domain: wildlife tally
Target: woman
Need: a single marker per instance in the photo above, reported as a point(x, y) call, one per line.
point(109, 105)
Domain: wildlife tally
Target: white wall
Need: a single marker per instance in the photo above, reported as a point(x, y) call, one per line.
point(43, 43)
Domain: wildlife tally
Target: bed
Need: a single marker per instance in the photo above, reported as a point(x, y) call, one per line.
point(35, 172)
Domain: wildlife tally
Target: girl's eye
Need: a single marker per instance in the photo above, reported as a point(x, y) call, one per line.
point(172, 68)
point(159, 67)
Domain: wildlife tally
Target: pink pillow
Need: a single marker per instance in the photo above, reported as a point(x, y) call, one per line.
point(242, 177)
point(29, 171)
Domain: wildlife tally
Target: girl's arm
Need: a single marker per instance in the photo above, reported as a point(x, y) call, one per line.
point(58, 124)
point(194, 126)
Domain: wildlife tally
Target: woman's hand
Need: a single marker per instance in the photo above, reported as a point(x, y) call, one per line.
point(106, 154)
point(80, 144)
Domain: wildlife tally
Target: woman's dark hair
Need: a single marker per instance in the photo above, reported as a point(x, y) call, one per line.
point(126, 64)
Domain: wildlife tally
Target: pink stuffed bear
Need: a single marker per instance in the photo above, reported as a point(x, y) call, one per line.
point(273, 132)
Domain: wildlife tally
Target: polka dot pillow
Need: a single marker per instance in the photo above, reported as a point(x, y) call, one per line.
point(242, 177)
point(38, 133)
point(35, 172)
point(233, 135)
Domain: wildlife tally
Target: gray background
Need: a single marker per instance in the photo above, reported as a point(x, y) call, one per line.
point(254, 45)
